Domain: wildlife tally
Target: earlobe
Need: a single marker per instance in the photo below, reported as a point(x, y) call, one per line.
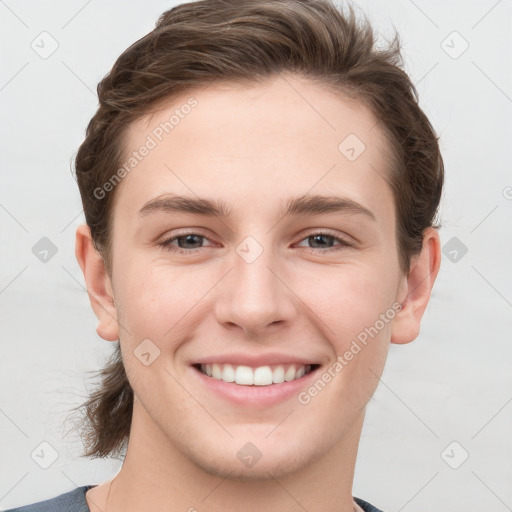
point(98, 283)
point(416, 288)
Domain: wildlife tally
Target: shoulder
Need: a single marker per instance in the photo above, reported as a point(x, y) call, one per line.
point(72, 501)
point(367, 507)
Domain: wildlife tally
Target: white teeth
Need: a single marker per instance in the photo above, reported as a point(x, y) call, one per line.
point(216, 371)
point(228, 375)
point(278, 375)
point(261, 376)
point(244, 375)
point(290, 373)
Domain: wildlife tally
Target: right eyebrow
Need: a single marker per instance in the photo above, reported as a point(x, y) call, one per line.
point(170, 203)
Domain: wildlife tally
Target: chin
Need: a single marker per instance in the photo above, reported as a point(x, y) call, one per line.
point(263, 470)
point(252, 457)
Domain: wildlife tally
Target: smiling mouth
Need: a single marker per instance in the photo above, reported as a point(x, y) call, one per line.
point(260, 376)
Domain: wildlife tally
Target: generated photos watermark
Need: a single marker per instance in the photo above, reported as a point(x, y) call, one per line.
point(357, 344)
point(152, 141)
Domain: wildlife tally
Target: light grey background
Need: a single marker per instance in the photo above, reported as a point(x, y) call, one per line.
point(452, 384)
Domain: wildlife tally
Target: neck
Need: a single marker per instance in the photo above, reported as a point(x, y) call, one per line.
point(173, 482)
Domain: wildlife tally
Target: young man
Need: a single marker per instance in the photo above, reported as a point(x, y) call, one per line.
point(260, 187)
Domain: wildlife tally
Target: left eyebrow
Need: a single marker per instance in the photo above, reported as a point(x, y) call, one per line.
point(304, 205)
point(317, 204)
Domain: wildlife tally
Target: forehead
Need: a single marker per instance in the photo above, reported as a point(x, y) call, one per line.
point(255, 145)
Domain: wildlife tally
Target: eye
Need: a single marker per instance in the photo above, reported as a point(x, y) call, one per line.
point(318, 238)
point(184, 241)
point(192, 242)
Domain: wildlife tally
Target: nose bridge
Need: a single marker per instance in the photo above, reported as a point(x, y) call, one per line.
point(254, 296)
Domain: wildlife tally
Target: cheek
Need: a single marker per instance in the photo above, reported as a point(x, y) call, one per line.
point(350, 304)
point(157, 301)
point(348, 299)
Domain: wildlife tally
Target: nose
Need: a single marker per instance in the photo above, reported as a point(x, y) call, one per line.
point(254, 297)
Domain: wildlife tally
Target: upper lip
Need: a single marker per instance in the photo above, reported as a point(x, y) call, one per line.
point(254, 360)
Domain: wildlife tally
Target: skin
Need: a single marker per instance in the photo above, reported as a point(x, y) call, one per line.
point(254, 147)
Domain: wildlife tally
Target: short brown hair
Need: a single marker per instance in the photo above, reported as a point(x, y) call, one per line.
point(250, 41)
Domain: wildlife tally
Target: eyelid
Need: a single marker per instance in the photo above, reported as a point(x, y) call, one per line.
point(184, 232)
point(165, 242)
point(328, 232)
point(343, 240)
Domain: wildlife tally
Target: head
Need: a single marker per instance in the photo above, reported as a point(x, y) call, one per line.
point(259, 108)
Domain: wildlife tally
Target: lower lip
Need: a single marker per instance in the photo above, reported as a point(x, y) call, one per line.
point(256, 395)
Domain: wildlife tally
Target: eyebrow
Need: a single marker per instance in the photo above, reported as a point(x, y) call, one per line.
point(304, 205)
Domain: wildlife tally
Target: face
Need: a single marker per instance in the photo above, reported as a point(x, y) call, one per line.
point(266, 280)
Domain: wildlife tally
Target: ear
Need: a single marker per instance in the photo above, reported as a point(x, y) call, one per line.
point(99, 286)
point(415, 289)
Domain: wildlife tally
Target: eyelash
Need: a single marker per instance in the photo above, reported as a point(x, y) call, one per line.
point(166, 244)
